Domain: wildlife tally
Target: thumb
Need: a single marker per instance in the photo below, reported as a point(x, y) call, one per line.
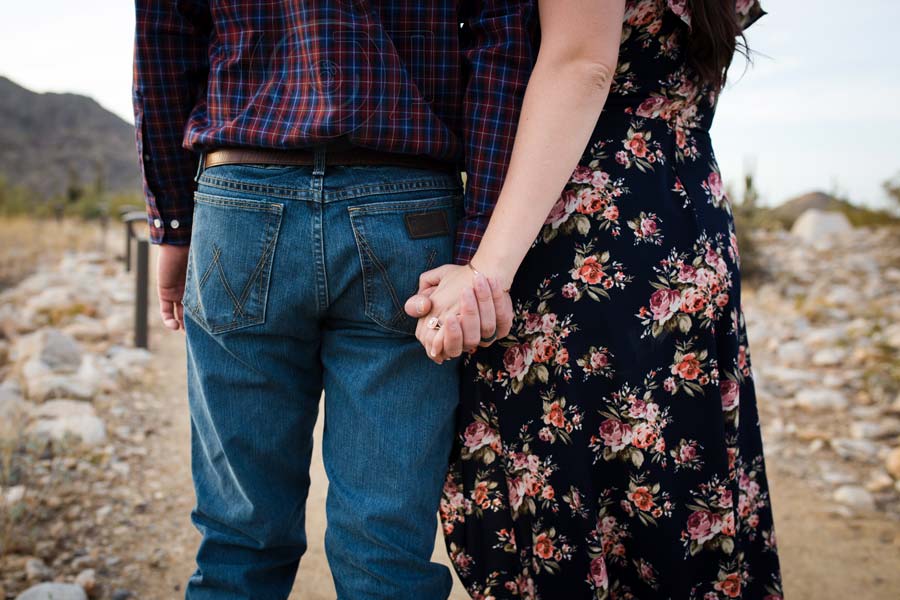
point(418, 306)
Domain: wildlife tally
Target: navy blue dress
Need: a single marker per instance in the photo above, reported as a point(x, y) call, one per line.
point(610, 446)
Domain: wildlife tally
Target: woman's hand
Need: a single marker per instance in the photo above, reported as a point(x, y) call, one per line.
point(471, 310)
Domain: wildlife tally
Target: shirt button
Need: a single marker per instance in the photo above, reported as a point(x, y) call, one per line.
point(174, 223)
point(157, 223)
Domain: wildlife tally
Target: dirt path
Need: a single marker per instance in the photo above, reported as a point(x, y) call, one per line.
point(825, 556)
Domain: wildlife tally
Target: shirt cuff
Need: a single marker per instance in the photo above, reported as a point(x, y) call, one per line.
point(175, 232)
point(469, 232)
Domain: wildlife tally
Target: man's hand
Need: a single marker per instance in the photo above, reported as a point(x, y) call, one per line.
point(170, 273)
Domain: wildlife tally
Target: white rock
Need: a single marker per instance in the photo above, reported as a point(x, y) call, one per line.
point(87, 329)
point(829, 357)
point(14, 494)
point(843, 295)
point(54, 349)
point(53, 591)
point(792, 353)
point(855, 497)
point(129, 362)
point(821, 399)
point(863, 450)
point(59, 418)
point(820, 228)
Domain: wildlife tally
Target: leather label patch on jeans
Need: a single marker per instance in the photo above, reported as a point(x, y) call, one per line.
point(427, 224)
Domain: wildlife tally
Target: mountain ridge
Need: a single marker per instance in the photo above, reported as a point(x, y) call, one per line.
point(50, 141)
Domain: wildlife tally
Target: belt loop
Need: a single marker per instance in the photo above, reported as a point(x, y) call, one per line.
point(200, 165)
point(319, 161)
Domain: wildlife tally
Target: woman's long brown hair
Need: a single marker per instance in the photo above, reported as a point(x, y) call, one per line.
point(715, 36)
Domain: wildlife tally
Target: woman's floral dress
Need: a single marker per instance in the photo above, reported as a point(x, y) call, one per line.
point(610, 446)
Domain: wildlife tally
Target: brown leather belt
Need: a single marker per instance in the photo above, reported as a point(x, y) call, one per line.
point(302, 157)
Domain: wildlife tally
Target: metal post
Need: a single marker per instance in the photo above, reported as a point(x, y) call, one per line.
point(141, 303)
point(128, 234)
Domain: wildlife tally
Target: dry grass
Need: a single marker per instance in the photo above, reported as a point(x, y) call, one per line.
point(27, 242)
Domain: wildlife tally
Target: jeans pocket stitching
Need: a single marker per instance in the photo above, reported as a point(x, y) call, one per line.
point(259, 278)
point(367, 260)
point(373, 267)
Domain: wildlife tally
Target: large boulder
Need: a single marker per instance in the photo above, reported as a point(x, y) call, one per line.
point(820, 228)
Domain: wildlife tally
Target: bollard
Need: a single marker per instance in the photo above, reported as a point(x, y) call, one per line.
point(141, 304)
point(128, 234)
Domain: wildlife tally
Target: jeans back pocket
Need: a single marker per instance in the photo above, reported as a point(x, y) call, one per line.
point(398, 240)
point(230, 261)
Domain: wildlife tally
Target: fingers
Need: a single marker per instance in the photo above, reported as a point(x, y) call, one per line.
point(179, 314)
point(503, 307)
point(469, 320)
point(433, 277)
point(486, 310)
point(452, 337)
point(418, 306)
point(167, 311)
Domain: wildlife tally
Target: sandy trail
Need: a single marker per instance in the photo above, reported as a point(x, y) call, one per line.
point(824, 556)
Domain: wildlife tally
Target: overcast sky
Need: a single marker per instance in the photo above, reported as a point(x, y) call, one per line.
point(820, 109)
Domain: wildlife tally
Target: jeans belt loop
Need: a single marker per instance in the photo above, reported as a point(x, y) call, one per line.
point(200, 164)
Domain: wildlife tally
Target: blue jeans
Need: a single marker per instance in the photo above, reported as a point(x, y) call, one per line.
point(296, 282)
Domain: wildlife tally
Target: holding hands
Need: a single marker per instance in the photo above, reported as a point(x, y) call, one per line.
point(458, 310)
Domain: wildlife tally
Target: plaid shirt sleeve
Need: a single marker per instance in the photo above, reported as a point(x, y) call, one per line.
point(500, 58)
point(170, 72)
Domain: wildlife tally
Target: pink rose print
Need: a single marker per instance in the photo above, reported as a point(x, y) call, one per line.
point(478, 435)
point(599, 578)
point(704, 525)
point(730, 391)
point(664, 303)
point(517, 359)
point(615, 434)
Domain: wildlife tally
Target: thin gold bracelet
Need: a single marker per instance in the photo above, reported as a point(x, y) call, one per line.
point(477, 272)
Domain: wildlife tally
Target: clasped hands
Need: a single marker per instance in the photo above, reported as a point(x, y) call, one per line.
point(458, 310)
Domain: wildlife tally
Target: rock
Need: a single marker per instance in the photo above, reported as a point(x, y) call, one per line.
point(121, 594)
point(855, 497)
point(879, 482)
point(58, 351)
point(821, 399)
point(87, 329)
point(87, 579)
point(129, 362)
point(863, 450)
point(892, 336)
point(892, 463)
point(13, 495)
point(36, 570)
point(13, 412)
point(53, 591)
point(59, 418)
point(792, 353)
point(885, 429)
point(829, 357)
point(820, 228)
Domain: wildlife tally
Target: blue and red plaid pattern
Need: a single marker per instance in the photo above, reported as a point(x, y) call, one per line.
point(442, 79)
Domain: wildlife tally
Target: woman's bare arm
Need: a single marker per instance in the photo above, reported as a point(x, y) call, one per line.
point(565, 95)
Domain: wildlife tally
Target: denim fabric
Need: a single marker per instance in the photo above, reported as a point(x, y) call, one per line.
point(295, 284)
